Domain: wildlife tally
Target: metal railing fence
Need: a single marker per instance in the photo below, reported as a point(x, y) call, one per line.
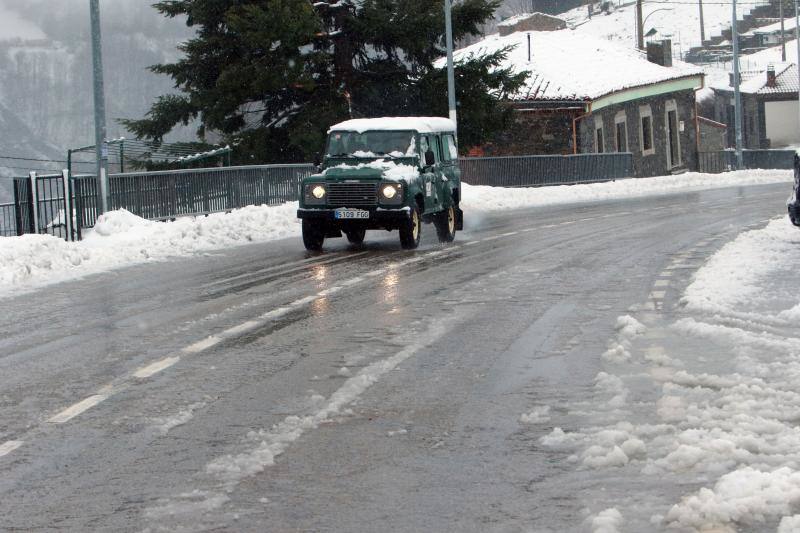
point(542, 170)
point(8, 220)
point(725, 160)
point(152, 195)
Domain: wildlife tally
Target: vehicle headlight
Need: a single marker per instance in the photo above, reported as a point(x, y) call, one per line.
point(315, 193)
point(391, 192)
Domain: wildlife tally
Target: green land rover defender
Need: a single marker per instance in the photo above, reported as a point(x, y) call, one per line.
point(384, 173)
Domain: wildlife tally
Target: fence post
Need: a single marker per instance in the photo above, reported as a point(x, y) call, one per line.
point(68, 204)
point(78, 209)
point(18, 208)
point(33, 200)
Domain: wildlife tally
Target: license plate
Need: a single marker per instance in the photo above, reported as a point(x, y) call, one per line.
point(350, 214)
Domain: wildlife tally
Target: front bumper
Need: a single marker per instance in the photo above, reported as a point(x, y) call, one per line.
point(378, 217)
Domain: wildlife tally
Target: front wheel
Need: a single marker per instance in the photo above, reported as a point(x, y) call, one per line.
point(445, 223)
point(411, 230)
point(356, 236)
point(313, 235)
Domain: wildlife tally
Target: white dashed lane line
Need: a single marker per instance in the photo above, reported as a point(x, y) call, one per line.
point(74, 410)
point(10, 446)
point(155, 368)
point(209, 342)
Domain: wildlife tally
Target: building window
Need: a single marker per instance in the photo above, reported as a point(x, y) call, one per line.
point(646, 130)
point(673, 134)
point(599, 138)
point(621, 131)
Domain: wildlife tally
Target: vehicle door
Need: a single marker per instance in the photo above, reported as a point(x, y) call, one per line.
point(429, 174)
point(451, 174)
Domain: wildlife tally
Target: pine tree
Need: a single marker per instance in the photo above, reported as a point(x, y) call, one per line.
point(270, 76)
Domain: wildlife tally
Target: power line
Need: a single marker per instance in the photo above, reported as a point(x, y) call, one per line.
point(32, 168)
point(17, 158)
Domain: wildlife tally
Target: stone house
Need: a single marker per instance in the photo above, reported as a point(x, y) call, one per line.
point(587, 95)
point(769, 107)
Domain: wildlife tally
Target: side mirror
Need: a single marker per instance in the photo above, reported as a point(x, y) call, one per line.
point(317, 159)
point(430, 159)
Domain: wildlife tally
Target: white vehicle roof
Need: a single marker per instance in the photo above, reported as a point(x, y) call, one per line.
point(418, 124)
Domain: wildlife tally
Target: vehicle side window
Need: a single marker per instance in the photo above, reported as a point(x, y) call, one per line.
point(424, 144)
point(449, 149)
point(436, 146)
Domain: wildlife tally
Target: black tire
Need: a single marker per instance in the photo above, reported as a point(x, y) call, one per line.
point(411, 230)
point(356, 236)
point(313, 235)
point(445, 223)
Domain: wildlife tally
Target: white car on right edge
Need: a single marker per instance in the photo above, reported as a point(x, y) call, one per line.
point(794, 200)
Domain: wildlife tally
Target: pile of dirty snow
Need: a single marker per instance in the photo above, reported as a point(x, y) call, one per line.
point(122, 239)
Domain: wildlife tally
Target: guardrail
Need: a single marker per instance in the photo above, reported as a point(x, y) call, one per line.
point(542, 170)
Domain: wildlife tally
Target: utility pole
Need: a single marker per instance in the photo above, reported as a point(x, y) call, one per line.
point(783, 39)
point(639, 26)
point(702, 25)
point(451, 77)
point(99, 109)
point(797, 41)
point(737, 93)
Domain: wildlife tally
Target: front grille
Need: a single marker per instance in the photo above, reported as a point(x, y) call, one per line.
point(352, 194)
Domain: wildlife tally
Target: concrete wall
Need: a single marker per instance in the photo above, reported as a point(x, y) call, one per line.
point(654, 162)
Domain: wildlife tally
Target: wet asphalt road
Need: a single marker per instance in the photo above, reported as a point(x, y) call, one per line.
point(364, 389)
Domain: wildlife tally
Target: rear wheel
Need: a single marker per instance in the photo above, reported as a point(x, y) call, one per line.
point(313, 235)
point(445, 223)
point(411, 230)
point(356, 236)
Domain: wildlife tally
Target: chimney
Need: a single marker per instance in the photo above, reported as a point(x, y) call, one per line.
point(772, 80)
point(529, 47)
point(660, 52)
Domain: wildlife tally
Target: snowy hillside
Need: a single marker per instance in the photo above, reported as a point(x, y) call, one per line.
point(677, 21)
point(45, 72)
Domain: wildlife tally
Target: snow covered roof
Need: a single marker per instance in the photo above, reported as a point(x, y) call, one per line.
point(516, 19)
point(569, 66)
point(786, 81)
point(755, 82)
point(418, 124)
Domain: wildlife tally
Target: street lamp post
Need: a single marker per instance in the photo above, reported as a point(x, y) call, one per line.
point(451, 78)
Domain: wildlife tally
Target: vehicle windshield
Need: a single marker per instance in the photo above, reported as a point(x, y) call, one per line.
point(371, 144)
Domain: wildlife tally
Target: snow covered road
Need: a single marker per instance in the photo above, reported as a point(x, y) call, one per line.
point(574, 367)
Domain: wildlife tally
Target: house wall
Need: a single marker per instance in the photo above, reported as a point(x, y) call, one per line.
point(782, 122)
point(712, 138)
point(655, 161)
point(541, 132)
point(760, 129)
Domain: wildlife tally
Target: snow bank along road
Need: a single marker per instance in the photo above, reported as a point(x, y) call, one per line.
point(567, 368)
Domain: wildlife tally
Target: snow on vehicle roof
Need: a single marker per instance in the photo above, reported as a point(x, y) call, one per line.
point(418, 124)
point(567, 65)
